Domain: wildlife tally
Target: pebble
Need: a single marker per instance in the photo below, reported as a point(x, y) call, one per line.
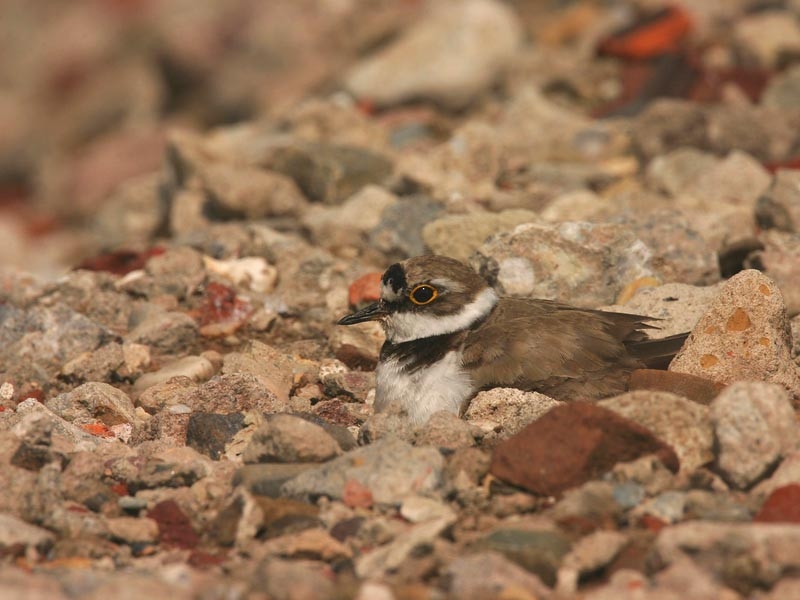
point(754, 427)
point(503, 412)
point(486, 574)
point(743, 336)
point(462, 51)
point(194, 368)
point(286, 438)
point(389, 468)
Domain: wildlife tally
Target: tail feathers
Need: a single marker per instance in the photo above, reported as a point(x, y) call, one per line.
point(657, 353)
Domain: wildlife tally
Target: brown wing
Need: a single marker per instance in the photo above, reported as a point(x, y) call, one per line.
point(569, 352)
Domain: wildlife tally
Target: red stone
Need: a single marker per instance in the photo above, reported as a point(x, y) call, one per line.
point(174, 527)
point(782, 506)
point(572, 444)
point(366, 288)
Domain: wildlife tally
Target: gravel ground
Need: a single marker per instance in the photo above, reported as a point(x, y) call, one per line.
point(192, 193)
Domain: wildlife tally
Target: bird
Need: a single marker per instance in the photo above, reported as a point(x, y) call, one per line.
point(449, 335)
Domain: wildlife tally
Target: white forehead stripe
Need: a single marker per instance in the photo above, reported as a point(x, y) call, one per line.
point(407, 326)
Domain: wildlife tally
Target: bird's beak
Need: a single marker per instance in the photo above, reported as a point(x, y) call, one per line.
point(373, 312)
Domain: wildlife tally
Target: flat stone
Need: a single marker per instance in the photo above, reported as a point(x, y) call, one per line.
point(537, 551)
point(390, 468)
point(503, 412)
point(572, 444)
point(286, 438)
point(93, 402)
point(490, 574)
point(266, 479)
point(209, 433)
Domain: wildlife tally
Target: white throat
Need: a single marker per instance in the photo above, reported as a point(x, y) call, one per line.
point(404, 327)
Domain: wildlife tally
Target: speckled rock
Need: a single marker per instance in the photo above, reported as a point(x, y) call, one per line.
point(744, 335)
point(502, 412)
point(290, 439)
point(674, 171)
point(92, 402)
point(462, 53)
point(583, 263)
point(755, 427)
point(683, 424)
point(459, 236)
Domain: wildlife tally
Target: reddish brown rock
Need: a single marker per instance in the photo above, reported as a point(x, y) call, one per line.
point(571, 444)
point(782, 506)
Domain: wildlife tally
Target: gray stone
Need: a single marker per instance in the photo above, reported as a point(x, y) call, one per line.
point(15, 531)
point(399, 234)
point(490, 574)
point(165, 331)
point(779, 259)
point(390, 468)
point(743, 336)
point(462, 53)
point(266, 479)
point(755, 427)
point(446, 430)
point(674, 171)
point(210, 433)
point(286, 438)
point(683, 424)
point(779, 206)
point(538, 551)
point(92, 402)
point(588, 555)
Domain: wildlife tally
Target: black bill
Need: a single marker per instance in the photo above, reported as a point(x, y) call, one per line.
point(373, 312)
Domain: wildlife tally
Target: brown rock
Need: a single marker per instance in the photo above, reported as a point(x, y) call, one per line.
point(743, 336)
point(695, 388)
point(571, 444)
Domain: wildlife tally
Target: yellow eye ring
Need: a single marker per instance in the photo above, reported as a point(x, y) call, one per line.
point(423, 294)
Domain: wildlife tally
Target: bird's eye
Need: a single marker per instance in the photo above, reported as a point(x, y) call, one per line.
point(423, 294)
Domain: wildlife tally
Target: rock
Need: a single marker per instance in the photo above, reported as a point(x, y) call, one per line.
point(348, 225)
point(391, 422)
point(389, 468)
point(133, 213)
point(236, 392)
point(743, 555)
point(744, 335)
point(399, 234)
point(588, 555)
point(768, 36)
point(390, 557)
point(666, 125)
point(675, 171)
point(678, 306)
point(491, 575)
point(92, 402)
point(338, 380)
point(193, 368)
point(133, 530)
point(280, 578)
point(787, 473)
point(164, 331)
point(463, 54)
point(503, 412)
point(779, 206)
point(754, 426)
point(330, 173)
point(249, 193)
point(571, 444)
point(782, 90)
point(445, 430)
point(266, 479)
point(590, 506)
point(779, 259)
point(682, 424)
point(37, 423)
point(271, 368)
point(250, 272)
point(174, 527)
point(418, 509)
point(209, 434)
point(358, 346)
point(538, 551)
point(175, 467)
point(564, 262)
point(459, 236)
point(694, 388)
point(668, 507)
point(14, 532)
point(286, 438)
point(781, 506)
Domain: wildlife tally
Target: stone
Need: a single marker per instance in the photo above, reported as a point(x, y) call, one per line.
point(164, 331)
point(252, 273)
point(273, 369)
point(15, 531)
point(286, 438)
point(754, 426)
point(390, 468)
point(209, 433)
point(266, 479)
point(445, 430)
point(572, 444)
point(787, 473)
point(768, 36)
point(743, 335)
point(132, 213)
point(783, 90)
point(330, 173)
point(92, 402)
point(133, 530)
point(399, 234)
point(249, 193)
point(462, 52)
point(588, 555)
point(194, 368)
point(503, 412)
point(779, 206)
point(694, 388)
point(674, 171)
point(489, 574)
point(236, 392)
point(418, 509)
point(582, 263)
point(458, 236)
point(781, 506)
point(743, 555)
point(358, 346)
point(666, 125)
point(538, 551)
point(779, 259)
point(682, 424)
